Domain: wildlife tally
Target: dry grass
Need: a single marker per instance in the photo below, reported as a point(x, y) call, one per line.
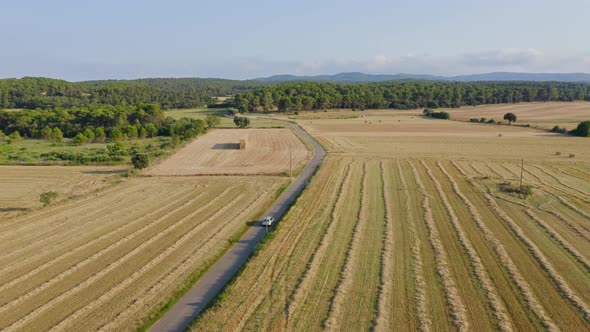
point(218, 153)
point(110, 260)
point(21, 186)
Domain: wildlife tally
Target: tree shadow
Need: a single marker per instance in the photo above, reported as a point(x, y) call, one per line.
point(226, 146)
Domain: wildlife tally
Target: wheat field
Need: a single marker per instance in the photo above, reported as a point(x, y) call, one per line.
point(110, 260)
point(423, 240)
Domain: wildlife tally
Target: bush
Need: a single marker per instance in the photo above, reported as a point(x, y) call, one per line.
point(15, 135)
point(582, 130)
point(241, 122)
point(140, 160)
point(212, 121)
point(436, 115)
point(57, 135)
point(473, 120)
point(116, 151)
point(80, 139)
point(89, 133)
point(491, 121)
point(46, 132)
point(482, 120)
point(99, 135)
point(509, 187)
point(47, 197)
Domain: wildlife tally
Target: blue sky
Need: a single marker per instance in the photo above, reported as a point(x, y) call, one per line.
point(80, 40)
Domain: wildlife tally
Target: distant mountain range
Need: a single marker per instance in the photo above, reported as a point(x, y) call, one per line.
point(356, 77)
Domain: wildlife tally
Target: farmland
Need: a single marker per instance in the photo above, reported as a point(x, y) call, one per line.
point(413, 233)
point(21, 186)
point(218, 152)
point(110, 260)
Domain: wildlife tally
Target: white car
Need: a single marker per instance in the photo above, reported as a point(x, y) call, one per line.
point(268, 221)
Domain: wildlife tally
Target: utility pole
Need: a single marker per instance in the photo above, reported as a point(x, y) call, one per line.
point(521, 172)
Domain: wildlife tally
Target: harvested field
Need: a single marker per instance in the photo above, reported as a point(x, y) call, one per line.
point(21, 186)
point(543, 115)
point(110, 260)
point(218, 152)
point(413, 233)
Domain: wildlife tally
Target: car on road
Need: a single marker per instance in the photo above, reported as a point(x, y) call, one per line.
point(268, 221)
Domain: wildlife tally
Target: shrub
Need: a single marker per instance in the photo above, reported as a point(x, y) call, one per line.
point(212, 121)
point(482, 120)
point(99, 135)
point(241, 122)
point(151, 129)
point(57, 135)
point(47, 197)
point(116, 135)
point(15, 135)
point(116, 151)
point(473, 120)
point(46, 132)
point(582, 130)
point(89, 134)
point(80, 139)
point(140, 160)
point(511, 188)
point(491, 121)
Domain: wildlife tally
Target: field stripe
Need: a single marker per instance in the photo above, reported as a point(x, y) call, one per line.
point(543, 261)
point(458, 310)
point(38, 311)
point(346, 278)
point(148, 294)
point(385, 307)
point(578, 255)
point(417, 263)
point(104, 236)
point(302, 289)
point(510, 265)
point(504, 321)
point(578, 229)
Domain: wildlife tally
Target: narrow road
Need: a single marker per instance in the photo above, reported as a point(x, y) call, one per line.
point(188, 307)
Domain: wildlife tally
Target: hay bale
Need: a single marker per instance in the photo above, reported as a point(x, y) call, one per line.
point(242, 144)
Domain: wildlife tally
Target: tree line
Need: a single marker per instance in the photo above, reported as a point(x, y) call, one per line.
point(36, 92)
point(98, 123)
point(403, 95)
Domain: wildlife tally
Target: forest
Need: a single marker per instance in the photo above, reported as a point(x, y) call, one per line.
point(403, 95)
point(98, 121)
point(36, 92)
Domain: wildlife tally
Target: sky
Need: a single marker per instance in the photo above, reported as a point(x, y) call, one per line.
point(86, 40)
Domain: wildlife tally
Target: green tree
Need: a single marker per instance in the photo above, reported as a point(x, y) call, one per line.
point(46, 132)
point(212, 121)
point(57, 135)
point(241, 121)
point(80, 139)
point(99, 135)
point(131, 131)
point(89, 133)
point(583, 129)
point(142, 132)
point(140, 160)
point(116, 135)
point(47, 197)
point(510, 117)
point(116, 151)
point(151, 129)
point(15, 135)
point(2, 136)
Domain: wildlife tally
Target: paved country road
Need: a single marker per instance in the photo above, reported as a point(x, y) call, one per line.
point(189, 306)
